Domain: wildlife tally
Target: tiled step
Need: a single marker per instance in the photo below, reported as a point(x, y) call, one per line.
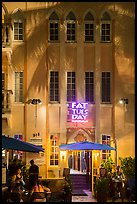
point(78, 192)
point(78, 182)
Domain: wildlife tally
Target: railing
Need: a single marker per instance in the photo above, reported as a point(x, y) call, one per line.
point(6, 101)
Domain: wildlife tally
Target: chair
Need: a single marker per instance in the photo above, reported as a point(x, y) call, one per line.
point(38, 197)
point(14, 197)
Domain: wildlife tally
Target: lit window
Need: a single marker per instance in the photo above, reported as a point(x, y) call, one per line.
point(89, 87)
point(54, 86)
point(18, 86)
point(53, 27)
point(54, 150)
point(105, 28)
point(16, 153)
point(89, 27)
point(106, 87)
point(106, 153)
point(71, 27)
point(18, 30)
point(71, 86)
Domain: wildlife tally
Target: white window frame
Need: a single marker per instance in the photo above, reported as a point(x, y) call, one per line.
point(53, 21)
point(18, 88)
point(105, 22)
point(54, 147)
point(89, 22)
point(106, 152)
point(71, 22)
point(18, 21)
point(17, 153)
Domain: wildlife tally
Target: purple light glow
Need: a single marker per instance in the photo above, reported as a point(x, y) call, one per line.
point(79, 112)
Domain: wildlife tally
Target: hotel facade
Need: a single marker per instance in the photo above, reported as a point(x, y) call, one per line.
point(77, 58)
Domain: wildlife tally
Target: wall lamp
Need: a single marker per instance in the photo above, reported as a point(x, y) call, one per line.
point(35, 102)
point(123, 101)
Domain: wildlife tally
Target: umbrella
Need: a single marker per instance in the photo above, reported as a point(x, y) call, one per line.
point(15, 144)
point(85, 145)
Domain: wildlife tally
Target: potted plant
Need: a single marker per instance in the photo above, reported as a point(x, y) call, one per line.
point(128, 166)
point(102, 189)
point(108, 165)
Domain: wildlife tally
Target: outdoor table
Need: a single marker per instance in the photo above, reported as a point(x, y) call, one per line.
point(26, 196)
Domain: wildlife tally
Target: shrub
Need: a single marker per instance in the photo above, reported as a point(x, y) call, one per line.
point(102, 189)
point(128, 166)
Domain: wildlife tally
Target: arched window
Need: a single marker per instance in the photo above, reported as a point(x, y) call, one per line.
point(89, 27)
point(53, 27)
point(71, 27)
point(105, 27)
point(18, 25)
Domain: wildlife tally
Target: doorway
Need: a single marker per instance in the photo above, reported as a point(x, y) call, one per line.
point(80, 162)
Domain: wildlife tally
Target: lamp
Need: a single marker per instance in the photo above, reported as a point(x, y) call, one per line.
point(123, 101)
point(34, 102)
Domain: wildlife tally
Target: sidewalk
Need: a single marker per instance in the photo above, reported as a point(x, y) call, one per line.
point(90, 198)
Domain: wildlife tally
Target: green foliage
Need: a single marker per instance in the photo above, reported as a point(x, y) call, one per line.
point(102, 185)
point(128, 166)
point(25, 173)
point(69, 183)
point(108, 165)
point(102, 189)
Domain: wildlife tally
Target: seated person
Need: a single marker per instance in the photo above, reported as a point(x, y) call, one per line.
point(16, 192)
point(38, 192)
point(19, 177)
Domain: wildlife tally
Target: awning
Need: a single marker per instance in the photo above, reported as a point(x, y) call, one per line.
point(15, 144)
point(85, 145)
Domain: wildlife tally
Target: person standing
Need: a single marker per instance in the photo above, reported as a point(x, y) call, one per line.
point(33, 173)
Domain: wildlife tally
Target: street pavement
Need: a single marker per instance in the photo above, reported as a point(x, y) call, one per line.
point(88, 198)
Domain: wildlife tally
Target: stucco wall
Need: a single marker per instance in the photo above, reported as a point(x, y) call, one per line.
point(36, 56)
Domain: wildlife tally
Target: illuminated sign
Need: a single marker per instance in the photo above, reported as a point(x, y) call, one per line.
point(79, 112)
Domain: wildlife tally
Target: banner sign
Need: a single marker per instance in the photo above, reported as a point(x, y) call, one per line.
point(78, 112)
